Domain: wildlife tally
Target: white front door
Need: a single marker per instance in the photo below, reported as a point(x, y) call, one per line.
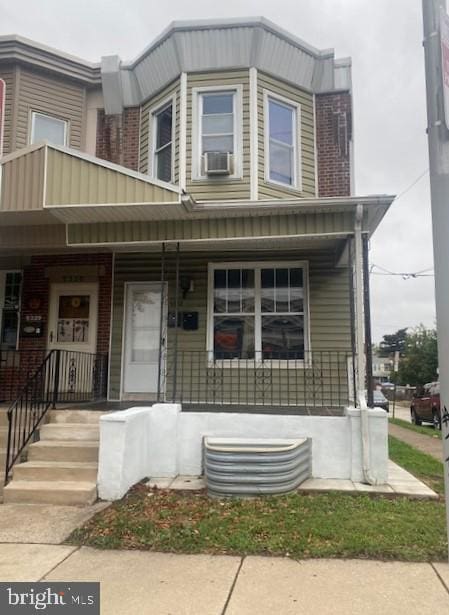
point(72, 320)
point(142, 338)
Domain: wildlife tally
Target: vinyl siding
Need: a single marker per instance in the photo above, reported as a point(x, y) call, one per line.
point(305, 100)
point(52, 96)
point(219, 188)
point(22, 186)
point(39, 237)
point(213, 228)
point(8, 74)
point(145, 128)
point(329, 299)
point(72, 180)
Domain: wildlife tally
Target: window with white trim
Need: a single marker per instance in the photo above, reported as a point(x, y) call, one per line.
point(216, 127)
point(281, 141)
point(48, 128)
point(258, 311)
point(163, 143)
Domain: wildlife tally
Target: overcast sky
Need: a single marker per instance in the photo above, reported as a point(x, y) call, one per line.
point(384, 39)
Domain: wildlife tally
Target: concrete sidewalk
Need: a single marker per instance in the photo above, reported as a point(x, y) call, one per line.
point(425, 443)
point(168, 584)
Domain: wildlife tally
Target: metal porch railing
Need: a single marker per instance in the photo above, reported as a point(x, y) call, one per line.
point(62, 376)
point(316, 379)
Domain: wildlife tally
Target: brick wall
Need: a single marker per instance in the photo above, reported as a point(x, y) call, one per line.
point(118, 137)
point(333, 137)
point(35, 284)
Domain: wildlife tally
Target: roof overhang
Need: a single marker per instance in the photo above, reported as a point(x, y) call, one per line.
point(45, 184)
point(375, 208)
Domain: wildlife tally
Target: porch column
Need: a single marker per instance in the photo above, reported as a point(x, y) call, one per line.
point(161, 325)
point(175, 342)
point(360, 362)
point(367, 312)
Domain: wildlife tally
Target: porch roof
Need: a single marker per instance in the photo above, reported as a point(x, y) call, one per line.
point(39, 179)
point(106, 204)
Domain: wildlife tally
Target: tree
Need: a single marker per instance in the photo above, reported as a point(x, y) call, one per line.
point(419, 363)
point(393, 343)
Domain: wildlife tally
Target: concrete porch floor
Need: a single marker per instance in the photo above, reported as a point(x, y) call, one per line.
point(400, 483)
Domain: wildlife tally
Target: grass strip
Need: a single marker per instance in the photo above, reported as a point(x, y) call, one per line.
point(422, 429)
point(330, 525)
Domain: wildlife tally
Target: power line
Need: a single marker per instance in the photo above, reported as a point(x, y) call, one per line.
point(405, 275)
point(412, 185)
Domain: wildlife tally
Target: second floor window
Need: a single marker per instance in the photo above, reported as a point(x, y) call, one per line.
point(217, 122)
point(281, 142)
point(47, 128)
point(163, 143)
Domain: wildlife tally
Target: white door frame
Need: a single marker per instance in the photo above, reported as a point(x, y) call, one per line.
point(56, 290)
point(159, 286)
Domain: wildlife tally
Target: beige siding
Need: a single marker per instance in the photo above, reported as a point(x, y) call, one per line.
point(7, 73)
point(230, 228)
point(22, 186)
point(329, 304)
point(145, 127)
point(72, 180)
point(53, 96)
point(218, 188)
point(305, 99)
point(49, 236)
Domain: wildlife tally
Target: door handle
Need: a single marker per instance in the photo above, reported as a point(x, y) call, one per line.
point(51, 337)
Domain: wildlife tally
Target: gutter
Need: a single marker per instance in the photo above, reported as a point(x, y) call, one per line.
point(360, 345)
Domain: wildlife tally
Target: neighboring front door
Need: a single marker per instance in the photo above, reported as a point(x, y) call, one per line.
point(73, 317)
point(72, 327)
point(142, 339)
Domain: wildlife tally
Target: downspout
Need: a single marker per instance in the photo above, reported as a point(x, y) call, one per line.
point(360, 345)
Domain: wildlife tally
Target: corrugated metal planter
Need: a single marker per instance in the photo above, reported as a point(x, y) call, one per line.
point(252, 467)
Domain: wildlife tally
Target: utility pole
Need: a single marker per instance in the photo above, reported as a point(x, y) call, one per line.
point(437, 81)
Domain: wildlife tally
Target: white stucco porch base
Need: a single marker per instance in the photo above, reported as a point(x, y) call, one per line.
point(163, 441)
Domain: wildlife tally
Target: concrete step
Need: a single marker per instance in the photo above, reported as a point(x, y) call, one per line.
point(65, 493)
point(75, 416)
point(70, 431)
point(63, 450)
point(56, 471)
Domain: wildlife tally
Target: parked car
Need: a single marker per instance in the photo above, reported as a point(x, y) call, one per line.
point(380, 401)
point(425, 405)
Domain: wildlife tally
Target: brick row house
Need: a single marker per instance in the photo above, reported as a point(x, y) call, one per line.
point(183, 227)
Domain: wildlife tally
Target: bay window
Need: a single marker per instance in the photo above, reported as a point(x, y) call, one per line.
point(258, 311)
point(163, 119)
point(281, 141)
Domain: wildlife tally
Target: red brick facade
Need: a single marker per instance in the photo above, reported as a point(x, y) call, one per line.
point(333, 139)
point(17, 366)
point(37, 285)
point(118, 137)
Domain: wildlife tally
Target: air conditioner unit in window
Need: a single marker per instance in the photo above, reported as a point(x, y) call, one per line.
point(217, 163)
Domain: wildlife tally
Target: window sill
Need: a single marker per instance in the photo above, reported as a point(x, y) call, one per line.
point(218, 179)
point(275, 184)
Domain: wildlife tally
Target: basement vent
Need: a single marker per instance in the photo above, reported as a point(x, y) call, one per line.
point(217, 163)
point(242, 467)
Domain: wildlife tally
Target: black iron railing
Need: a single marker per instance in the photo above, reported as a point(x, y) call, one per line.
point(310, 380)
point(16, 367)
point(62, 376)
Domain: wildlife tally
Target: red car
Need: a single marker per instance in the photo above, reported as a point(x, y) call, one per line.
point(425, 406)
